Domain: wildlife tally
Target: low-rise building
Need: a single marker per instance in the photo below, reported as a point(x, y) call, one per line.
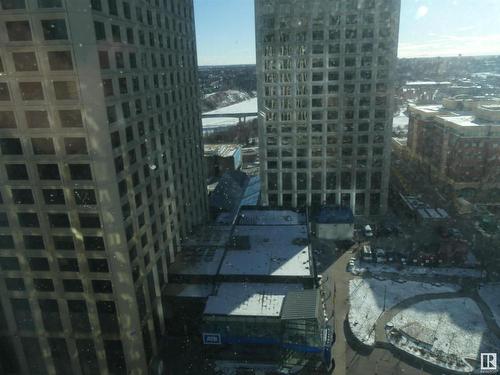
point(252, 291)
point(220, 158)
point(458, 141)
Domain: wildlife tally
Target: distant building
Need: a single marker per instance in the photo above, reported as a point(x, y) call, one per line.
point(325, 74)
point(459, 141)
point(221, 158)
point(334, 223)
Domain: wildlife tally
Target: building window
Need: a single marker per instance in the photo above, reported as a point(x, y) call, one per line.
point(89, 220)
point(54, 29)
point(84, 197)
point(71, 118)
point(7, 120)
point(100, 31)
point(22, 196)
point(37, 119)
point(48, 172)
point(93, 243)
point(43, 146)
point(38, 264)
point(12, 4)
point(11, 146)
point(59, 220)
point(75, 146)
point(78, 315)
point(28, 220)
point(63, 243)
point(107, 85)
point(4, 91)
point(31, 90)
point(53, 196)
point(66, 90)
point(68, 265)
point(6, 242)
point(16, 172)
point(98, 265)
point(60, 60)
point(18, 31)
point(50, 3)
point(25, 61)
point(80, 172)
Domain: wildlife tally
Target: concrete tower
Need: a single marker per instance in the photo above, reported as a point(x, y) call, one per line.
point(101, 174)
point(325, 72)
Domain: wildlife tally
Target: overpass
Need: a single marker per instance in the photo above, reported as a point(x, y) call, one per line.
point(239, 115)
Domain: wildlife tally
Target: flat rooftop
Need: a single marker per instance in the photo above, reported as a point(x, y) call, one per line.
point(221, 150)
point(210, 236)
point(249, 299)
point(270, 217)
point(274, 250)
point(200, 261)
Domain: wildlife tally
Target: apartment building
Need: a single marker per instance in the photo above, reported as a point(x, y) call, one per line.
point(325, 72)
point(101, 175)
point(459, 142)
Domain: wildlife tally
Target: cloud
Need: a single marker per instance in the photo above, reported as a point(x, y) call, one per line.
point(452, 45)
point(421, 12)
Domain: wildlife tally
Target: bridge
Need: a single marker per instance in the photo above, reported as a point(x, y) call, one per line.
point(238, 115)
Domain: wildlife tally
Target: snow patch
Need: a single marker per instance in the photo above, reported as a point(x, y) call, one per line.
point(448, 330)
point(369, 296)
point(490, 294)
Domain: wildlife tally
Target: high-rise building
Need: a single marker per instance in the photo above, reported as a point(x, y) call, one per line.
point(101, 175)
point(325, 73)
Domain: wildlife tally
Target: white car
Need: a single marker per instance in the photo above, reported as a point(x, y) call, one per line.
point(367, 230)
point(380, 255)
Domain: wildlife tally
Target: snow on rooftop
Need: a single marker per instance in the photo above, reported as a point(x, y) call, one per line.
point(368, 296)
point(270, 217)
point(457, 324)
point(249, 299)
point(222, 150)
point(274, 251)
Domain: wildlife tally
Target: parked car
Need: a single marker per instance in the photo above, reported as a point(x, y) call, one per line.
point(366, 253)
point(367, 231)
point(380, 255)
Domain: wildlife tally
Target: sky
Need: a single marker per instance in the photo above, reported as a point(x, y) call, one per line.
point(225, 29)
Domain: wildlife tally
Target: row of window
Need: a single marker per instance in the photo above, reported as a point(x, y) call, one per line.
point(81, 197)
point(120, 34)
point(28, 62)
point(55, 220)
point(325, 35)
point(19, 172)
point(36, 242)
point(68, 118)
point(321, 62)
point(21, 4)
point(126, 11)
point(44, 146)
point(329, 75)
point(316, 199)
point(63, 90)
point(276, 51)
point(331, 180)
point(20, 31)
point(274, 90)
point(329, 127)
point(87, 356)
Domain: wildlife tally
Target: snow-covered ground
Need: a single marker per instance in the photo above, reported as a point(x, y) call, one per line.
point(368, 297)
point(362, 267)
point(247, 106)
point(400, 123)
point(449, 326)
point(490, 293)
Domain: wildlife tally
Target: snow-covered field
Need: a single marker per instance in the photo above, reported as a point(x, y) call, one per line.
point(247, 106)
point(368, 297)
point(490, 293)
point(361, 267)
point(451, 326)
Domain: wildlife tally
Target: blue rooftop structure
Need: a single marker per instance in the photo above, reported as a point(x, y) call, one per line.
point(334, 215)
